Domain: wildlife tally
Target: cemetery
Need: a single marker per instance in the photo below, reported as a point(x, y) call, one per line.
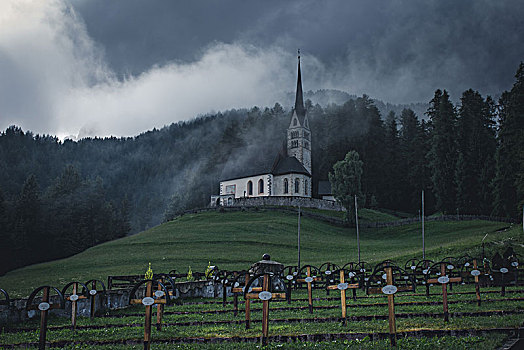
point(454, 302)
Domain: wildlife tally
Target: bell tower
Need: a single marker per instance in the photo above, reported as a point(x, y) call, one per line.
point(298, 133)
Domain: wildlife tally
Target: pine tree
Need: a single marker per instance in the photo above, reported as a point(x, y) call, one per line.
point(509, 180)
point(392, 196)
point(476, 148)
point(443, 153)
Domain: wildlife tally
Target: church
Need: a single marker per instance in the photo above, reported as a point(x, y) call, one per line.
point(287, 174)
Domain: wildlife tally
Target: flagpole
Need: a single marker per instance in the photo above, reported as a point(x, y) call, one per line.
point(356, 221)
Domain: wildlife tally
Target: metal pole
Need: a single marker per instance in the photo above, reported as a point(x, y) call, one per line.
point(423, 242)
point(299, 237)
point(356, 221)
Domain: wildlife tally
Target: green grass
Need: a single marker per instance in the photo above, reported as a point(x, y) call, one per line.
point(234, 240)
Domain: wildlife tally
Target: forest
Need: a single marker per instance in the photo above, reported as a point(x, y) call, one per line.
point(58, 198)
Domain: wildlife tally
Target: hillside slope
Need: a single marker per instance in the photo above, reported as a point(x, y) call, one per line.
point(234, 240)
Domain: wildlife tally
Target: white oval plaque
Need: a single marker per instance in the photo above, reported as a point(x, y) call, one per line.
point(351, 274)
point(425, 272)
point(450, 267)
point(389, 289)
point(503, 270)
point(366, 279)
point(328, 272)
point(342, 286)
point(384, 276)
point(413, 267)
point(443, 279)
point(237, 284)
point(295, 273)
point(475, 272)
point(308, 279)
point(466, 264)
point(379, 282)
point(73, 297)
point(148, 301)
point(289, 277)
point(515, 264)
point(265, 295)
point(159, 293)
point(92, 292)
point(43, 306)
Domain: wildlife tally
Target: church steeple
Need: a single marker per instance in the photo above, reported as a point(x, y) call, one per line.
point(299, 99)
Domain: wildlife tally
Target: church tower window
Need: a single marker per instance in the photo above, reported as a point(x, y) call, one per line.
point(260, 186)
point(250, 188)
point(297, 186)
point(294, 122)
point(286, 186)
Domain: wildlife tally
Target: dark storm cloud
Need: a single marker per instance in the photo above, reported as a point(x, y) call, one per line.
point(95, 67)
point(408, 47)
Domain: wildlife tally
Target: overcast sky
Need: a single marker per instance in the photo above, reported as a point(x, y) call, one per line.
point(120, 67)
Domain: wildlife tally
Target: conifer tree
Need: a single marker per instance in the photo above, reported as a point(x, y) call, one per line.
point(509, 180)
point(443, 153)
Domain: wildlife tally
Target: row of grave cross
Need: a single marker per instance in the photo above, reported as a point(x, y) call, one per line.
point(385, 278)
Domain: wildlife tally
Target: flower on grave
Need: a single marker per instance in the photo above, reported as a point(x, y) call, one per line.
point(209, 270)
point(149, 273)
point(190, 274)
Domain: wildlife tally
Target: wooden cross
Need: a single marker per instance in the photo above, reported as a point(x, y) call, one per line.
point(389, 289)
point(44, 306)
point(93, 293)
point(237, 289)
point(265, 295)
point(476, 273)
point(309, 280)
point(342, 286)
point(444, 280)
point(149, 301)
point(73, 298)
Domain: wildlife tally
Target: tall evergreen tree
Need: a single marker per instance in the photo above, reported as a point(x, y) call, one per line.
point(392, 196)
point(509, 180)
point(443, 153)
point(476, 149)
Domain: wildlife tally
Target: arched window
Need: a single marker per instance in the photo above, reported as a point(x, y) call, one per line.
point(305, 187)
point(286, 186)
point(249, 188)
point(297, 185)
point(260, 186)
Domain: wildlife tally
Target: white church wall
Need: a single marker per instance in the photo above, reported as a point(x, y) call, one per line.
point(239, 187)
point(278, 186)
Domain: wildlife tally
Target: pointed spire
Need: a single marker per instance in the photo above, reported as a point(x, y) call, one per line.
point(299, 99)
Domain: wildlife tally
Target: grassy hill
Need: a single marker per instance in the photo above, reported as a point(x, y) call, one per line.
point(234, 240)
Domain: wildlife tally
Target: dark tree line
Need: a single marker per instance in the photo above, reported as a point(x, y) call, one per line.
point(58, 198)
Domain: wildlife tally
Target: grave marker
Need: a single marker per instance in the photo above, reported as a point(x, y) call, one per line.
point(44, 306)
point(392, 286)
point(148, 301)
point(443, 279)
point(94, 292)
point(342, 286)
point(265, 295)
point(309, 279)
point(73, 298)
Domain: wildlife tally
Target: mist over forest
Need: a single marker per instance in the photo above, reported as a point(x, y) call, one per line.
point(58, 198)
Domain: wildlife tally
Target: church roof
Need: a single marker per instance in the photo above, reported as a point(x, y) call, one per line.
point(288, 165)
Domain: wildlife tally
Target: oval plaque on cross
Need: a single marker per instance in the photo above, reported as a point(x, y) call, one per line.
point(475, 272)
point(342, 286)
point(328, 272)
point(466, 264)
point(389, 289)
point(148, 301)
point(236, 284)
point(351, 274)
point(92, 292)
point(515, 264)
point(289, 277)
point(73, 297)
point(504, 270)
point(159, 293)
point(308, 279)
point(450, 267)
point(443, 279)
point(43, 306)
point(413, 267)
point(265, 295)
